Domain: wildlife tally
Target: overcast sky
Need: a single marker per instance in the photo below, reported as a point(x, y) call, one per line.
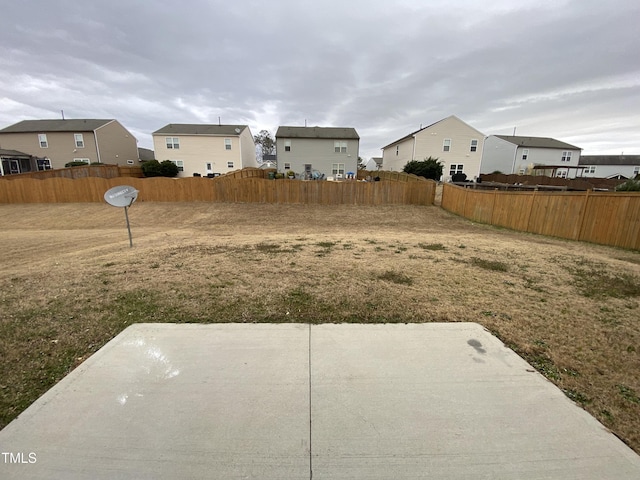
point(563, 69)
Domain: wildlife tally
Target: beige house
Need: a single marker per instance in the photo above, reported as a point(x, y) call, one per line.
point(57, 142)
point(205, 150)
point(456, 144)
point(318, 152)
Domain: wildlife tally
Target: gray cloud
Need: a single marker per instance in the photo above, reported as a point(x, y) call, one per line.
point(566, 69)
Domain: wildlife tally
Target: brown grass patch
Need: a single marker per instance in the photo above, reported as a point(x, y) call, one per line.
point(70, 282)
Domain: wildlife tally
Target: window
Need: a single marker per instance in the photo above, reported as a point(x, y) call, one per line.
point(337, 169)
point(209, 167)
point(446, 145)
point(474, 146)
point(173, 142)
point(179, 163)
point(340, 147)
point(561, 174)
point(42, 139)
point(566, 156)
point(229, 164)
point(522, 170)
point(227, 144)
point(287, 145)
point(636, 171)
point(453, 169)
point(287, 166)
point(130, 162)
point(590, 170)
point(43, 164)
point(397, 150)
point(85, 160)
point(525, 154)
point(79, 140)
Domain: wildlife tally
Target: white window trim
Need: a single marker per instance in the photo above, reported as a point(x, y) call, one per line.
point(209, 167)
point(337, 169)
point(525, 153)
point(566, 156)
point(229, 164)
point(79, 140)
point(472, 147)
point(179, 164)
point(227, 144)
point(42, 138)
point(46, 163)
point(287, 166)
point(397, 150)
point(85, 160)
point(287, 145)
point(172, 143)
point(446, 145)
point(339, 146)
point(456, 168)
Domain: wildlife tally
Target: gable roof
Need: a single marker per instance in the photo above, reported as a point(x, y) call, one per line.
point(318, 132)
point(537, 142)
point(200, 129)
point(609, 160)
point(406, 137)
point(43, 126)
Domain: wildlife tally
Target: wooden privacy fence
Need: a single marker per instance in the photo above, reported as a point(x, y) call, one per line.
point(608, 218)
point(102, 170)
point(221, 189)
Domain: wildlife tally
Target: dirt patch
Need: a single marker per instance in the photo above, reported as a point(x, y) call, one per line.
point(70, 282)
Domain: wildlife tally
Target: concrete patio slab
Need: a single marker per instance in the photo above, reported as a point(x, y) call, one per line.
point(281, 401)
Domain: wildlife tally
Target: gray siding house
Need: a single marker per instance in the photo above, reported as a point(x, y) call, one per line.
point(330, 152)
point(63, 141)
point(610, 166)
point(523, 155)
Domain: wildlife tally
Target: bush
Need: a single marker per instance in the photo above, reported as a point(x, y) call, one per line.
point(153, 168)
point(630, 185)
point(76, 164)
point(427, 168)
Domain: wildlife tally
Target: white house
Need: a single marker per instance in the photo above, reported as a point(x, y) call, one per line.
point(456, 144)
point(524, 155)
point(609, 166)
point(205, 149)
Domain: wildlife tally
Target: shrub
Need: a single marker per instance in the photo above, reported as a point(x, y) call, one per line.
point(76, 164)
point(153, 168)
point(427, 168)
point(630, 185)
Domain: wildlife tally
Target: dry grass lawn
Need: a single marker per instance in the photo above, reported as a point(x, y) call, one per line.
point(70, 282)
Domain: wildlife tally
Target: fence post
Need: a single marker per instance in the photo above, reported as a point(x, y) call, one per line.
point(584, 214)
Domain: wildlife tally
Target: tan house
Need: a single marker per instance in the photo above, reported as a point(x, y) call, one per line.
point(318, 152)
point(457, 145)
point(205, 150)
point(58, 142)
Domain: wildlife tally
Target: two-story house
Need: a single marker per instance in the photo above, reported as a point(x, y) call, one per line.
point(318, 151)
point(205, 150)
point(609, 166)
point(457, 145)
point(57, 142)
point(526, 155)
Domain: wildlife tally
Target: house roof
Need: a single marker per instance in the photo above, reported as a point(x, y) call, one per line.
point(537, 142)
point(317, 132)
point(200, 129)
point(378, 160)
point(609, 160)
point(42, 126)
point(406, 137)
point(145, 154)
point(12, 153)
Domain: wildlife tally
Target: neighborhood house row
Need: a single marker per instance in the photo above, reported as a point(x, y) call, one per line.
point(309, 152)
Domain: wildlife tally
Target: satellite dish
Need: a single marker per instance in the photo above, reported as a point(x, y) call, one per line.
point(121, 196)
point(237, 130)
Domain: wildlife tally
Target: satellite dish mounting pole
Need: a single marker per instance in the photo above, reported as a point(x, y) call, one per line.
point(122, 196)
point(126, 215)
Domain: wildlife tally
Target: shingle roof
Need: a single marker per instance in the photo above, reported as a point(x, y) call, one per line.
point(537, 142)
point(145, 154)
point(12, 153)
point(42, 126)
point(609, 160)
point(200, 129)
point(317, 132)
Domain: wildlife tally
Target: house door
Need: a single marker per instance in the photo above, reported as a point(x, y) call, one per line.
point(14, 166)
point(308, 173)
